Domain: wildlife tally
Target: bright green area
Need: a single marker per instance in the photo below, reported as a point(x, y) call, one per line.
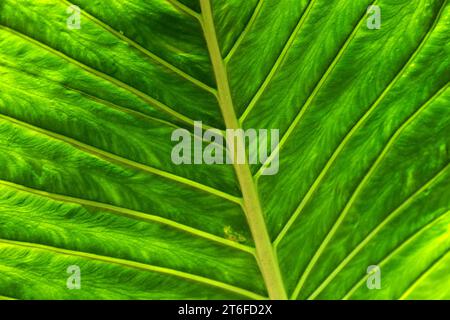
point(86, 176)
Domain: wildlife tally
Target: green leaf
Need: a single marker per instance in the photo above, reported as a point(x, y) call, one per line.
point(87, 179)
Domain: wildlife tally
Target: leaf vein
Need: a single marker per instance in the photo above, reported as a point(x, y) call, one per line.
point(143, 96)
point(311, 98)
point(358, 189)
point(144, 51)
point(375, 231)
point(136, 265)
point(278, 62)
point(132, 214)
point(127, 162)
point(424, 275)
point(244, 32)
point(392, 253)
point(347, 138)
point(182, 7)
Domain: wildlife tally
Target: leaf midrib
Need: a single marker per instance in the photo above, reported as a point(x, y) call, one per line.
point(265, 254)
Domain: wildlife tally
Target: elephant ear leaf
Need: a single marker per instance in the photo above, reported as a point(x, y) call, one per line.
point(92, 205)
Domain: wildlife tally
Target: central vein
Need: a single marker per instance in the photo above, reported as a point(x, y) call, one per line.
point(265, 253)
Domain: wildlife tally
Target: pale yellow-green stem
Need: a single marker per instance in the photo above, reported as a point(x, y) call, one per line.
point(265, 254)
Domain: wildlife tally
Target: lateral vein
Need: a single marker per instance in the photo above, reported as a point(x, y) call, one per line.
point(395, 251)
point(395, 213)
point(143, 96)
point(106, 103)
point(244, 32)
point(311, 98)
point(424, 275)
point(278, 62)
point(355, 194)
point(347, 138)
point(109, 104)
point(118, 159)
point(132, 214)
point(145, 51)
point(185, 9)
point(136, 265)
